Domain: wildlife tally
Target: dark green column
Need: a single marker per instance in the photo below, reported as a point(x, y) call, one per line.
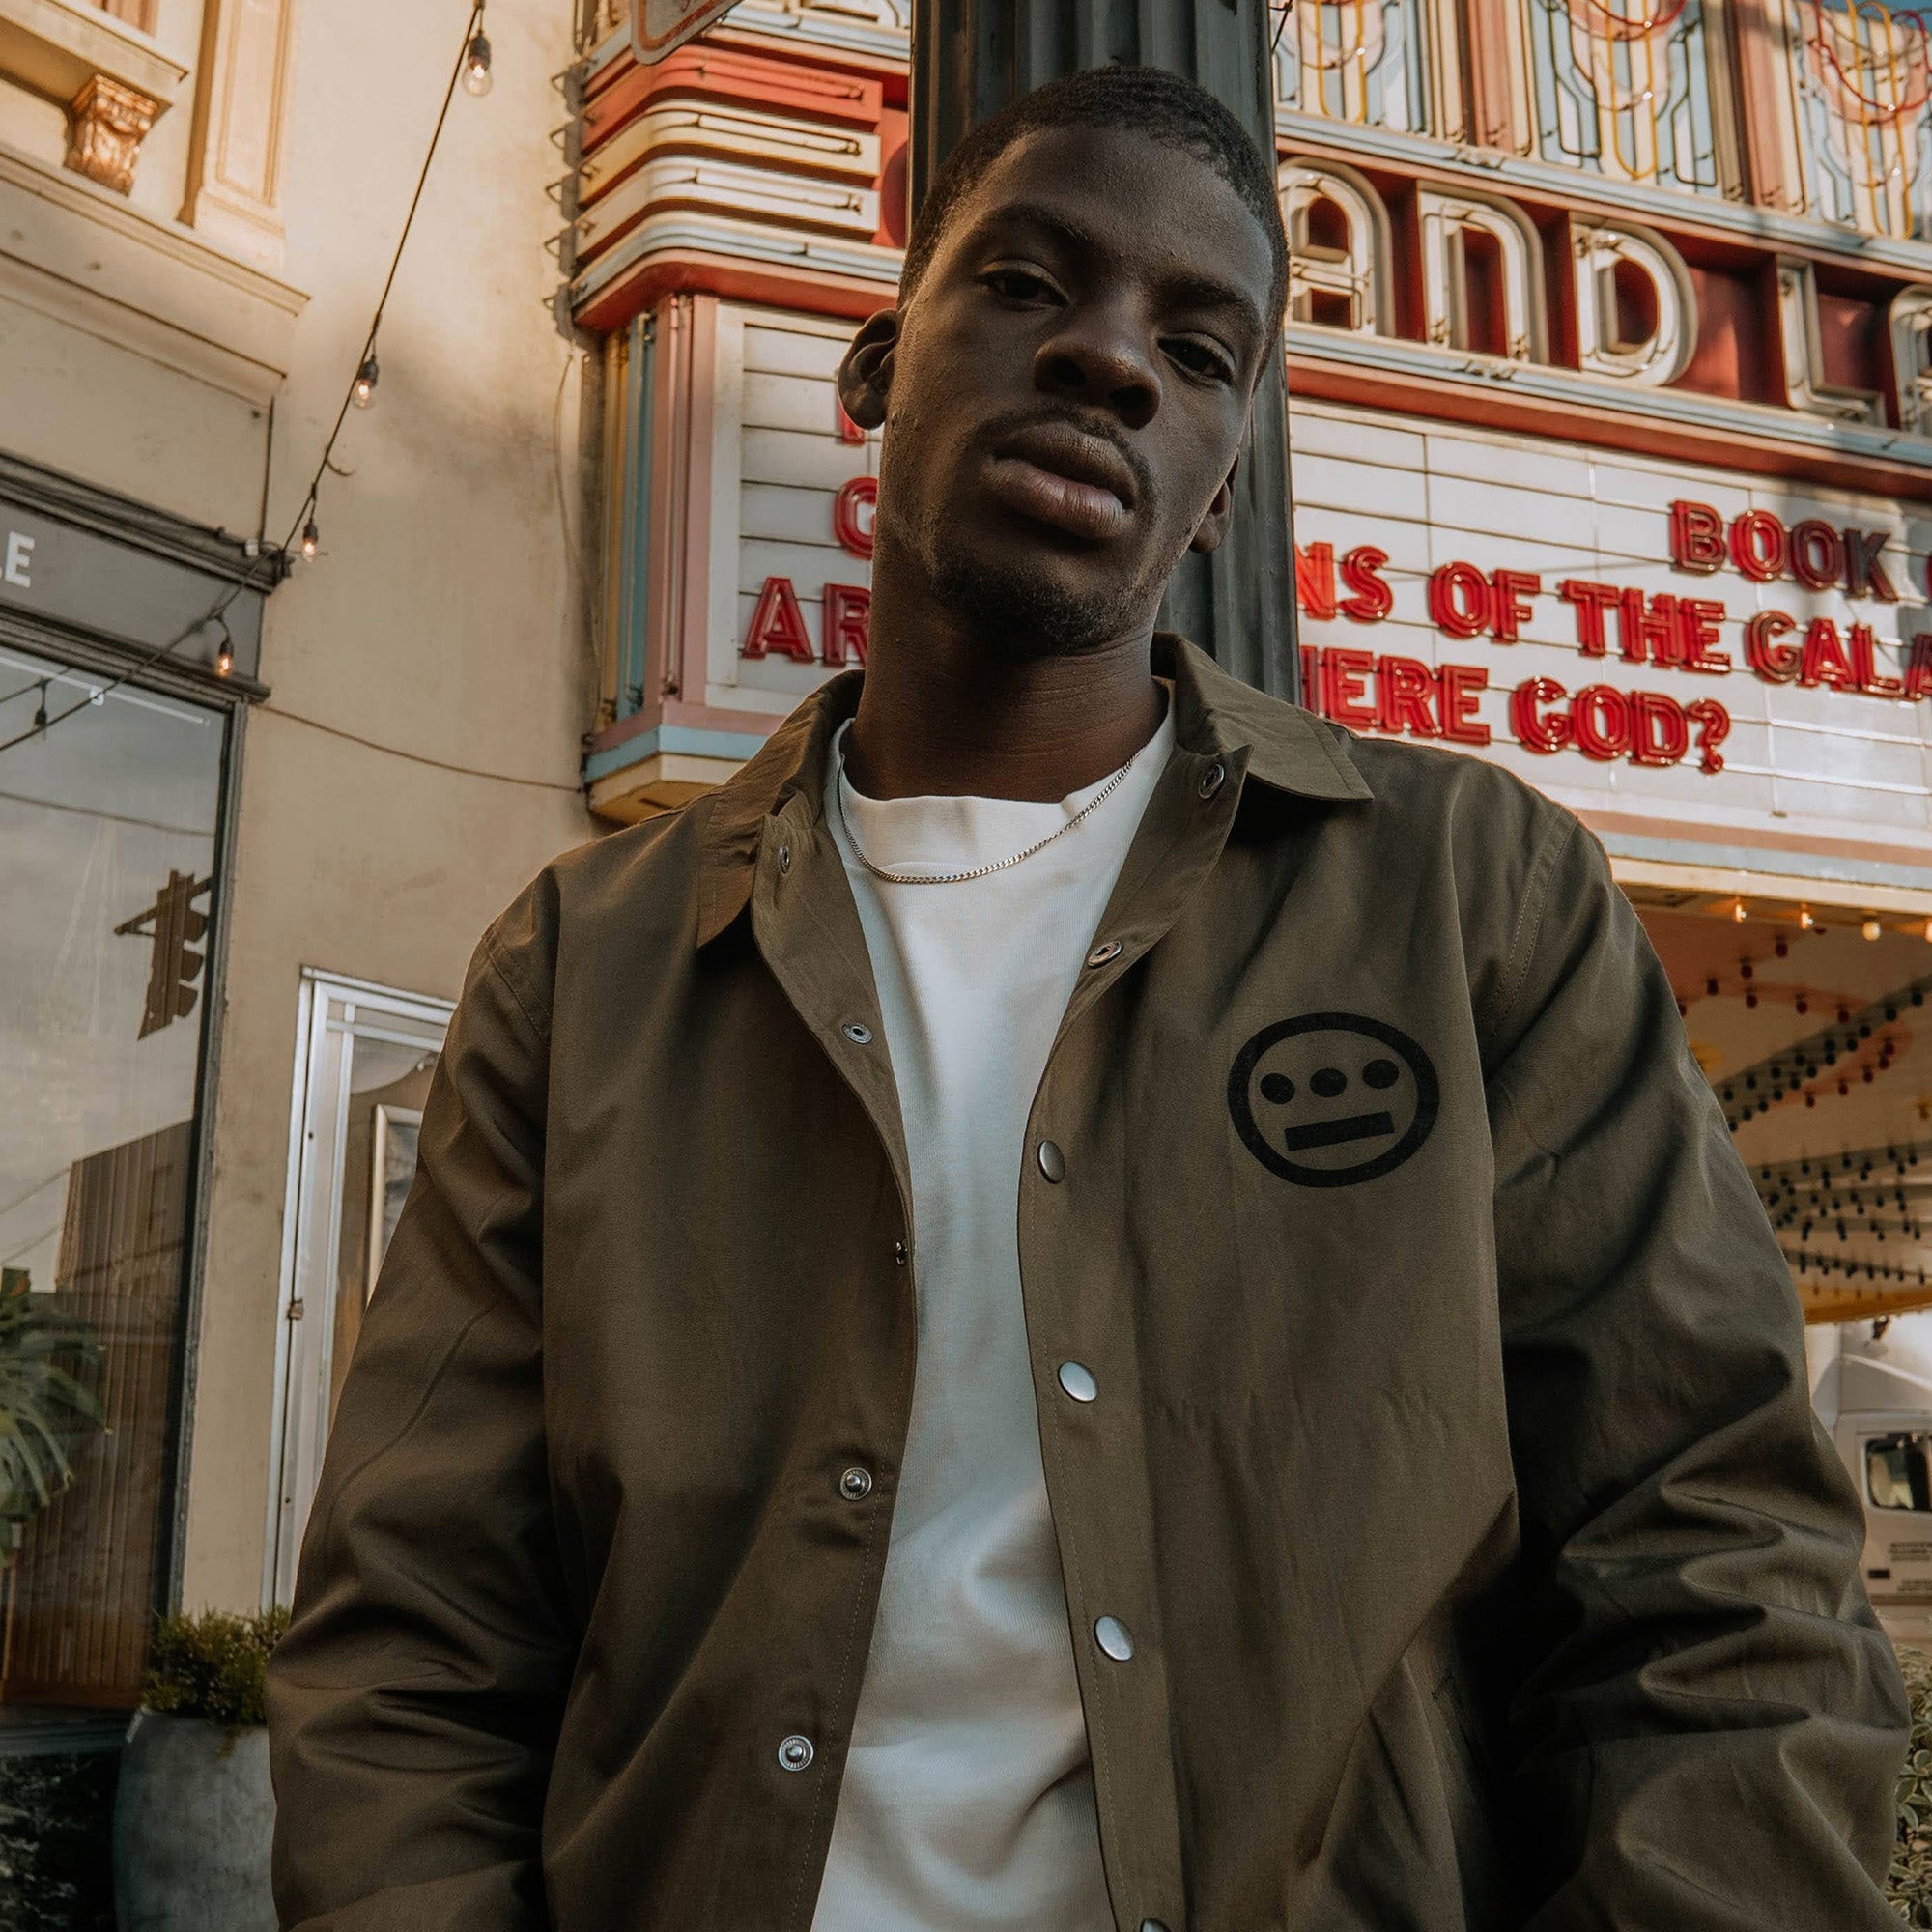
point(970, 58)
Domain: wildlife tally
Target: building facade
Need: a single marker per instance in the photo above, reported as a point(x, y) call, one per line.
point(1611, 377)
point(245, 856)
point(1610, 350)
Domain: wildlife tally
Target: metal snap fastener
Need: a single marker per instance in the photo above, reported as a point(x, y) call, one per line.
point(1114, 1637)
point(1077, 1379)
point(857, 1033)
point(1052, 1162)
point(899, 1253)
point(856, 1484)
point(1211, 778)
point(1152, 1925)
point(1108, 949)
point(785, 858)
point(794, 1753)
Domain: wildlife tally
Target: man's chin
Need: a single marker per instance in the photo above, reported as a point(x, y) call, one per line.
point(1027, 615)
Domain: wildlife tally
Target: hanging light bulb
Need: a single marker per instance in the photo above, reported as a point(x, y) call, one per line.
point(1871, 928)
point(311, 541)
point(476, 65)
point(362, 392)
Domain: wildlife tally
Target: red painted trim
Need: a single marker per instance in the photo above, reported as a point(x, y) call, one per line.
point(682, 271)
point(704, 71)
point(1601, 425)
point(1544, 204)
point(893, 73)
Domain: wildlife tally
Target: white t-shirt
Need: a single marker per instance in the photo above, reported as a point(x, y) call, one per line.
point(967, 1803)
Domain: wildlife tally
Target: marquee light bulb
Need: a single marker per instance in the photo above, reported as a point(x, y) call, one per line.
point(364, 390)
point(1738, 911)
point(1806, 919)
point(476, 65)
point(1871, 928)
point(311, 541)
point(1929, 931)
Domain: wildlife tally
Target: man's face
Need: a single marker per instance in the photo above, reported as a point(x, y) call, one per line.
point(1064, 394)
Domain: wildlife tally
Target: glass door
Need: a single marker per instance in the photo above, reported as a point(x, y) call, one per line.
point(363, 1062)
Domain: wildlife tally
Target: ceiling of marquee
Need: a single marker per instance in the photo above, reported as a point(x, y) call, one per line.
point(1819, 1044)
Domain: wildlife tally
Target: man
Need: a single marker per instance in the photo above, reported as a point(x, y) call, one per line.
point(1080, 1303)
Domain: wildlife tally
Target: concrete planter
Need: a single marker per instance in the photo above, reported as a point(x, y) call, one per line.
point(192, 1826)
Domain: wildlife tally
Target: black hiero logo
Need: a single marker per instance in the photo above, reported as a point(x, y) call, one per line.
point(1329, 1099)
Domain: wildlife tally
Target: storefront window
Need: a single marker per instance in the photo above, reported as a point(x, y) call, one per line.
point(108, 837)
point(363, 1068)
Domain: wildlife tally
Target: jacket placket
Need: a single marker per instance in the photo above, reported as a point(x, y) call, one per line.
point(806, 929)
point(1082, 1330)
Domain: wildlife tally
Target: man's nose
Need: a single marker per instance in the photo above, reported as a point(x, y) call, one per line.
point(1100, 356)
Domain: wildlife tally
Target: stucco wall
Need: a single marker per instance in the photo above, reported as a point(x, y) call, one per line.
point(441, 623)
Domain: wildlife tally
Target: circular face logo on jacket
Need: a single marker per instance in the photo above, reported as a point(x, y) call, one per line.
point(1329, 1099)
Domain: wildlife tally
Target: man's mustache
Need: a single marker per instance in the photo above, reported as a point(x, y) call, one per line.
point(1101, 428)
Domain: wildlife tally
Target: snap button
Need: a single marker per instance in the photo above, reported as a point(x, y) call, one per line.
point(785, 858)
point(794, 1753)
point(1211, 778)
point(857, 1033)
point(1052, 1162)
point(1108, 949)
point(1152, 1925)
point(1077, 1379)
point(899, 1253)
point(1114, 1637)
point(856, 1484)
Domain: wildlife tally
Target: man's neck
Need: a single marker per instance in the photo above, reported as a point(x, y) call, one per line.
point(947, 712)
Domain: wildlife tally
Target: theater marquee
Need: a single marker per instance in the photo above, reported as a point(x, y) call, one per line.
point(1689, 657)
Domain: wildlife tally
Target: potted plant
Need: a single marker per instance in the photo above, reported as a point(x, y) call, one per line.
point(1909, 1887)
point(195, 1813)
point(43, 1404)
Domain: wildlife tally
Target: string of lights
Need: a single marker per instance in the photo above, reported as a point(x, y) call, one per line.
point(1880, 1194)
point(1757, 1088)
point(1806, 1263)
point(473, 74)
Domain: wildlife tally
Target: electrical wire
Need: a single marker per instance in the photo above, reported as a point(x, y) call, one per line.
point(276, 559)
point(420, 757)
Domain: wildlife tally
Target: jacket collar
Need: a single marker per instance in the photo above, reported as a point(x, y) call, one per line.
point(1214, 712)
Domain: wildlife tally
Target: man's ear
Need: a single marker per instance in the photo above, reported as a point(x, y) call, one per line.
point(866, 375)
point(1211, 531)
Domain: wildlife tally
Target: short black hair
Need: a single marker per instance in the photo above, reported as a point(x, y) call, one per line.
point(1166, 107)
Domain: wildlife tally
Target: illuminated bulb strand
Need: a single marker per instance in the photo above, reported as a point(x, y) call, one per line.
point(275, 561)
point(1805, 1263)
point(1756, 1089)
point(1899, 1156)
point(1848, 1193)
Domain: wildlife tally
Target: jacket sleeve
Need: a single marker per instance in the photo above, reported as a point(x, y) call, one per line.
point(1704, 1721)
point(413, 1705)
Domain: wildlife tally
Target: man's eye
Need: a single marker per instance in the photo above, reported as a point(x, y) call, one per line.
point(1201, 359)
point(1016, 284)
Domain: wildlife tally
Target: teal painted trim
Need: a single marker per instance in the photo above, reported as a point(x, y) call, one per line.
point(634, 606)
point(681, 740)
point(1760, 858)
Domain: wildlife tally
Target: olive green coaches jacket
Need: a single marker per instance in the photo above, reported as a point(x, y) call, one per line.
point(1452, 1463)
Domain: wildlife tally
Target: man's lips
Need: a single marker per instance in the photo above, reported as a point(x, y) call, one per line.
point(1055, 474)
